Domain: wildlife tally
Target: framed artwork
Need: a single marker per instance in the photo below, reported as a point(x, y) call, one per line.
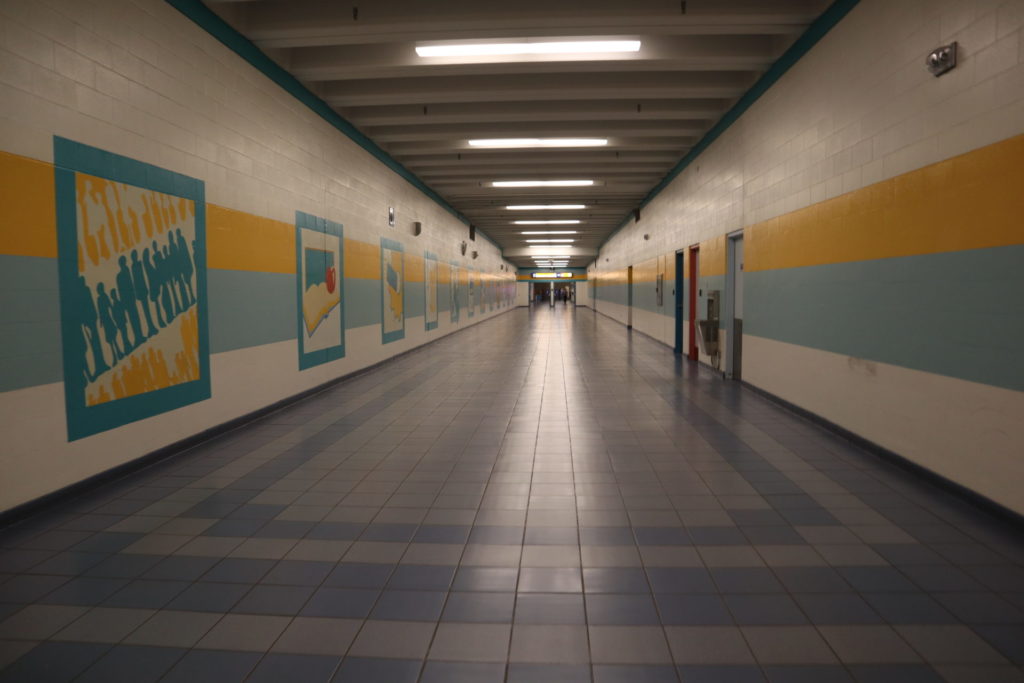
point(131, 260)
point(430, 291)
point(392, 286)
point(319, 280)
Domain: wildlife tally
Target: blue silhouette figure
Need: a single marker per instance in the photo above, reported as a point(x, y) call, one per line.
point(165, 287)
point(153, 276)
point(126, 289)
point(187, 269)
point(141, 291)
point(85, 310)
point(105, 310)
point(121, 320)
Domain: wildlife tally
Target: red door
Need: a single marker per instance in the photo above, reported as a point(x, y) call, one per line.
point(692, 351)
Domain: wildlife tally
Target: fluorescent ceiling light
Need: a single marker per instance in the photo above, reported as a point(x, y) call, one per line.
point(548, 232)
point(567, 240)
point(542, 183)
point(574, 47)
point(544, 207)
point(568, 221)
point(539, 142)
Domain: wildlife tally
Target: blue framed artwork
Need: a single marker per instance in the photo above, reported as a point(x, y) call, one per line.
point(131, 263)
point(453, 292)
point(430, 291)
point(392, 290)
point(319, 281)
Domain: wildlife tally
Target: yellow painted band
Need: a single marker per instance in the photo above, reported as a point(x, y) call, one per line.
point(712, 257)
point(413, 268)
point(28, 214)
point(236, 240)
point(362, 260)
point(972, 201)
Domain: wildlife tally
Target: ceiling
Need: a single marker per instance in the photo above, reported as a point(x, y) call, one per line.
point(696, 59)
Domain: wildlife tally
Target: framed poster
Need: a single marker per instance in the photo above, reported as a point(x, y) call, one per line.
point(392, 287)
point(319, 279)
point(430, 291)
point(131, 261)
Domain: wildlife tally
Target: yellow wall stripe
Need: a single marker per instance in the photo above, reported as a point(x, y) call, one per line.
point(362, 260)
point(236, 240)
point(413, 268)
point(28, 214)
point(972, 201)
point(711, 260)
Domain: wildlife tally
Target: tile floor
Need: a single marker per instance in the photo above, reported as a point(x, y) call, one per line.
point(543, 497)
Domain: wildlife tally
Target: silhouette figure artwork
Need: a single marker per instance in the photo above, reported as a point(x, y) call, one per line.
point(135, 298)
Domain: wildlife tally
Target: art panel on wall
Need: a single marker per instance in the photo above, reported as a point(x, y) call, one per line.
point(392, 284)
point(471, 296)
point(453, 292)
point(131, 247)
point(430, 291)
point(319, 280)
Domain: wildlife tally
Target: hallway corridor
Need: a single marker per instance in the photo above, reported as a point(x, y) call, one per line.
point(541, 497)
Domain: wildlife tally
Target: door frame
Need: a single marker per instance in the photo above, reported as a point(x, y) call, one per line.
point(679, 301)
point(629, 297)
point(733, 345)
point(694, 256)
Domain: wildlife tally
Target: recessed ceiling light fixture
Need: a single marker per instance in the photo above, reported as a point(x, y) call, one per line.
point(542, 183)
point(562, 47)
point(567, 221)
point(539, 142)
point(548, 232)
point(544, 207)
point(554, 241)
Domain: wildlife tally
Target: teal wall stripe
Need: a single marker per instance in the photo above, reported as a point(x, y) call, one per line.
point(29, 322)
point(415, 303)
point(250, 308)
point(815, 32)
point(957, 314)
point(362, 302)
point(206, 19)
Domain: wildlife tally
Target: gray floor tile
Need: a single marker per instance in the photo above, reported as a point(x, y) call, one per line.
point(767, 548)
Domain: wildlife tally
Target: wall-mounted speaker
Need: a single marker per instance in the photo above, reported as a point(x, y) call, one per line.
point(417, 228)
point(472, 232)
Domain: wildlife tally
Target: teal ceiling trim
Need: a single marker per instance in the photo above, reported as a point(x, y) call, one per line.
point(815, 32)
point(208, 20)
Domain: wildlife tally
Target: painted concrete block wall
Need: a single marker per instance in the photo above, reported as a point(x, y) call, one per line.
point(880, 210)
point(167, 103)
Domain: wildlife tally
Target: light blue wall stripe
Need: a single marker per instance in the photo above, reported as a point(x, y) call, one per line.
point(362, 302)
point(958, 314)
point(250, 308)
point(414, 302)
point(30, 342)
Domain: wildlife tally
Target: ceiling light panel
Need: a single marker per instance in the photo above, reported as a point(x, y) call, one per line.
point(573, 47)
point(506, 143)
point(544, 207)
point(559, 240)
point(567, 221)
point(548, 232)
point(542, 183)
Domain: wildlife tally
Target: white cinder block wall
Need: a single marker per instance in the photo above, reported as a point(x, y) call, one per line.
point(137, 78)
point(860, 108)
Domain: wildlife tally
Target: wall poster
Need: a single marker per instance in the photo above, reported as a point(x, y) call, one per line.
point(319, 278)
point(131, 248)
point(392, 285)
point(430, 291)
